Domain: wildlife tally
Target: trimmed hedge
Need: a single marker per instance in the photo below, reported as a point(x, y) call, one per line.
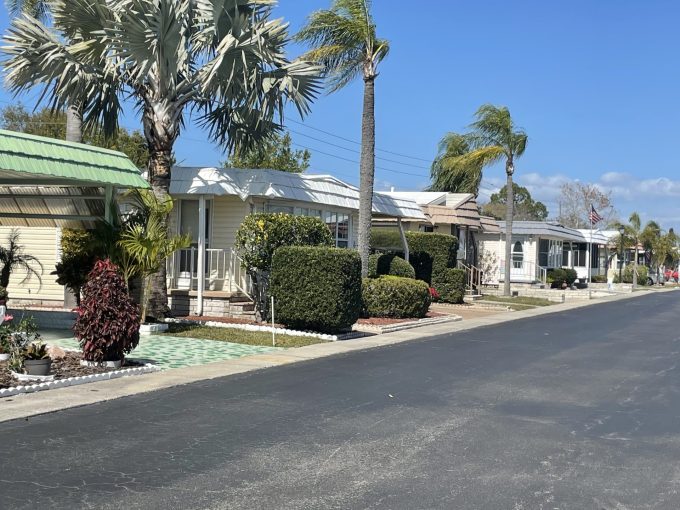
point(386, 239)
point(316, 288)
point(389, 264)
point(571, 276)
point(450, 284)
point(431, 253)
point(395, 297)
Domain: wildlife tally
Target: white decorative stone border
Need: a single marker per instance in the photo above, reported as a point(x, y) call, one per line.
point(389, 328)
point(75, 381)
point(254, 327)
point(147, 329)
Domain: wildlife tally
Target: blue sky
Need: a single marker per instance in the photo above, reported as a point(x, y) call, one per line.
point(594, 84)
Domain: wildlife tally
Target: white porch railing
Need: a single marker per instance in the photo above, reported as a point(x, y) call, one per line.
point(473, 276)
point(224, 271)
point(524, 272)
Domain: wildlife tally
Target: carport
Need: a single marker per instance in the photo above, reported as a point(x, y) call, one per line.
point(46, 182)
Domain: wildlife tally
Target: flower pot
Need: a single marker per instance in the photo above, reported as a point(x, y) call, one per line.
point(38, 366)
point(4, 356)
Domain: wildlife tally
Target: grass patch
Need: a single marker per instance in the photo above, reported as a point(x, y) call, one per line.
point(239, 336)
point(520, 302)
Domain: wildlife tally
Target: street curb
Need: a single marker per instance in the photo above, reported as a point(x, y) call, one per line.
point(33, 404)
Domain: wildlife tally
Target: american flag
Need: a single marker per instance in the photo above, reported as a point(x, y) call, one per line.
point(594, 217)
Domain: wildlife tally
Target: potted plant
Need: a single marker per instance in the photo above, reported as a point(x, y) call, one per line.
point(36, 359)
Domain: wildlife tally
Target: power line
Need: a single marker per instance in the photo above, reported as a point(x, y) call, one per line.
point(357, 143)
point(411, 165)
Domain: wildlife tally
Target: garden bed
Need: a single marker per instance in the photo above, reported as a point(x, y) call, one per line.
point(379, 325)
point(68, 371)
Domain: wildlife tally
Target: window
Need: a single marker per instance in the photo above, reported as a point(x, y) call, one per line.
point(428, 228)
point(338, 222)
point(276, 208)
point(580, 255)
point(517, 255)
point(188, 220)
point(543, 252)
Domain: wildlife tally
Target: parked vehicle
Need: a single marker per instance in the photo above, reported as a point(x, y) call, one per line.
point(655, 278)
point(671, 274)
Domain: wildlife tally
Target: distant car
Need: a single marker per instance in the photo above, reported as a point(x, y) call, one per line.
point(671, 274)
point(653, 278)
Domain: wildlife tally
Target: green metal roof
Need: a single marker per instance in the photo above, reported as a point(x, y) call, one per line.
point(36, 160)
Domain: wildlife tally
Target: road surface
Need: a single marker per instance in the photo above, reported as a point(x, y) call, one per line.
point(575, 410)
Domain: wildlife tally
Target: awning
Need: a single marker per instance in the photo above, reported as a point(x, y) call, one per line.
point(50, 182)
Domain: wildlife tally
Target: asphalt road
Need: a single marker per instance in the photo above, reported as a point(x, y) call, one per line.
point(576, 410)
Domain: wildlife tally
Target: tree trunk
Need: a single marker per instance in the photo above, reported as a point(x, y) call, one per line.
point(74, 124)
point(161, 121)
point(366, 173)
point(509, 169)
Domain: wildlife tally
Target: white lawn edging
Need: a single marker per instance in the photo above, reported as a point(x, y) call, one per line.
point(254, 327)
point(75, 381)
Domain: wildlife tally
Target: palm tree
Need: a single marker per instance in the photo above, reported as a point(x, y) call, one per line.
point(147, 243)
point(344, 41)
point(448, 174)
point(223, 61)
point(493, 138)
point(40, 9)
point(635, 234)
point(12, 257)
point(37, 8)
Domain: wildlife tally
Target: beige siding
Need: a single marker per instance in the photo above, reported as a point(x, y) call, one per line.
point(227, 215)
point(42, 243)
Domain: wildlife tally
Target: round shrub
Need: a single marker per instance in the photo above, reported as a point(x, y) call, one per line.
point(570, 275)
point(107, 326)
point(556, 277)
point(395, 297)
point(316, 288)
point(389, 264)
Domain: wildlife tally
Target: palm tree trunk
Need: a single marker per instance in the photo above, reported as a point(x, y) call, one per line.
point(366, 173)
point(161, 122)
point(74, 124)
point(508, 226)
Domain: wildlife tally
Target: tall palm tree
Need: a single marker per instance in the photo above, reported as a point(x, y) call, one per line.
point(448, 174)
point(40, 9)
point(344, 41)
point(224, 61)
point(493, 138)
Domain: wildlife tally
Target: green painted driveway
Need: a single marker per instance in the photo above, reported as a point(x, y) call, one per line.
point(176, 352)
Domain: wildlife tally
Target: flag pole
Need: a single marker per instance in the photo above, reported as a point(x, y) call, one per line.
point(590, 244)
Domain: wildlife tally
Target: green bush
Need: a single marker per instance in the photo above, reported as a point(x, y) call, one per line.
point(570, 275)
point(628, 275)
point(599, 278)
point(316, 288)
point(386, 239)
point(431, 254)
point(389, 264)
point(261, 234)
point(556, 277)
point(395, 297)
point(450, 284)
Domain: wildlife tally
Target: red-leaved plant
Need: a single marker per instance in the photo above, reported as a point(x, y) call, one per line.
point(107, 326)
point(434, 294)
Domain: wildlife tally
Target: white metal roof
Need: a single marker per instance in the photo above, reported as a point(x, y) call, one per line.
point(433, 197)
point(312, 188)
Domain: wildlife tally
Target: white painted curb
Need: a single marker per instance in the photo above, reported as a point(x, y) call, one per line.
point(75, 381)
